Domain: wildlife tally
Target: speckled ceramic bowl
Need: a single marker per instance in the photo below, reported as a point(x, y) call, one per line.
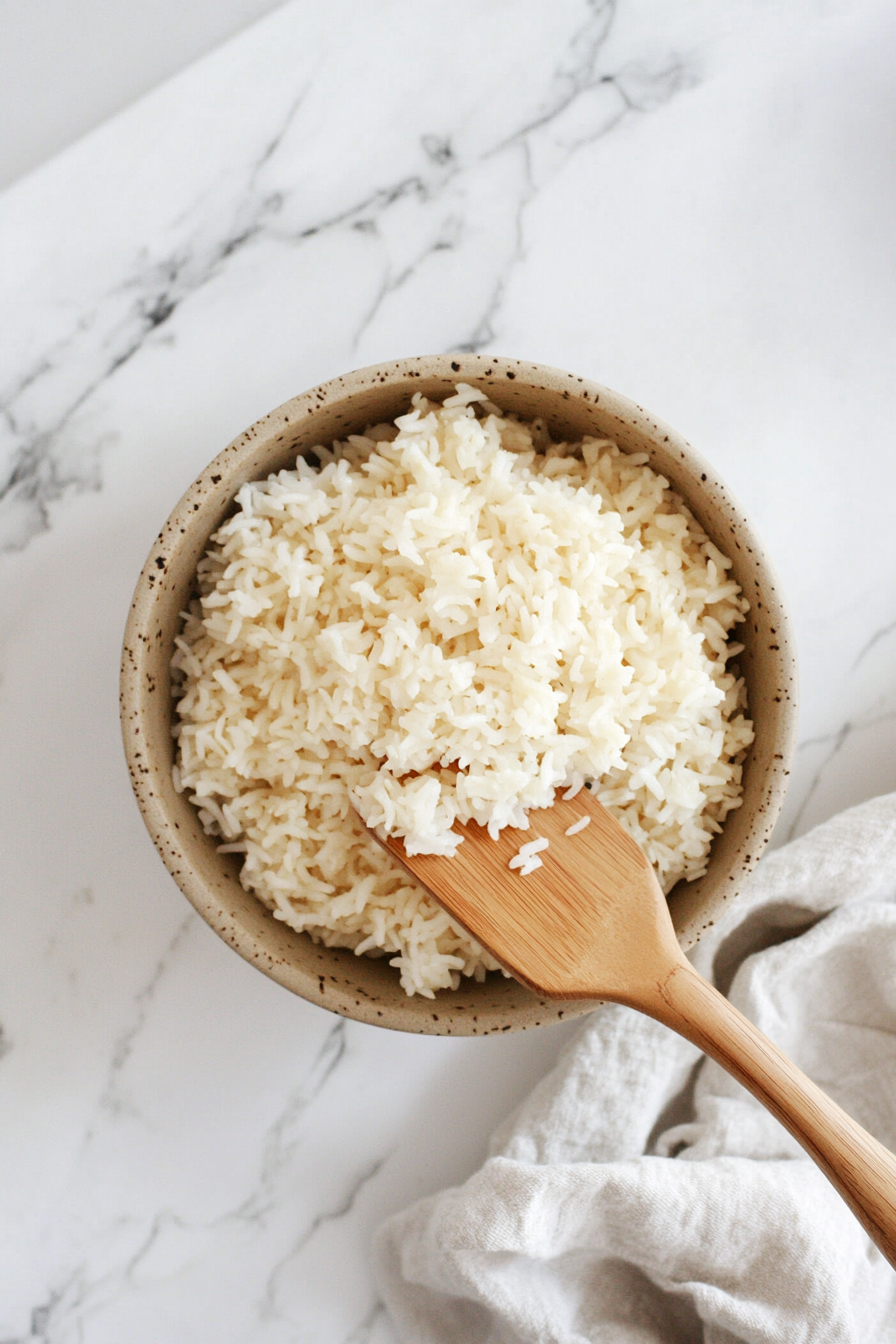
point(360, 987)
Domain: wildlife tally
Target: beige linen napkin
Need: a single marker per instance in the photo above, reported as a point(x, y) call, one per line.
point(640, 1196)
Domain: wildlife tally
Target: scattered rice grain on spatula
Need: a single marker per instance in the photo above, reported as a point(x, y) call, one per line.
point(526, 853)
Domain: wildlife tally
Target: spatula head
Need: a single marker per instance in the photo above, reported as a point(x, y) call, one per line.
point(590, 922)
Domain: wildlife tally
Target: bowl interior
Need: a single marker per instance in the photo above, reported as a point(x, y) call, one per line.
point(362, 987)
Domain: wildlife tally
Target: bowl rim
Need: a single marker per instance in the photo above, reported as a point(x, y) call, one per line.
point(267, 943)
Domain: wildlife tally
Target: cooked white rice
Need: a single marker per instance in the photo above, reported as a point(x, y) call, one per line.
point(525, 858)
point(455, 590)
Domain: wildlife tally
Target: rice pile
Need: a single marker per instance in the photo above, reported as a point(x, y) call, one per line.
point(454, 590)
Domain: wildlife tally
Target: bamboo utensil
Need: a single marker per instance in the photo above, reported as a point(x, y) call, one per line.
point(591, 922)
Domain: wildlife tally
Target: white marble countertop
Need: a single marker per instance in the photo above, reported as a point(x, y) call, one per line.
point(693, 204)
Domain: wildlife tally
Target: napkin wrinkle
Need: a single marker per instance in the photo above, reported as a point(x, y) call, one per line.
point(559, 1121)
point(640, 1195)
point(769, 926)
point(679, 1111)
point(849, 858)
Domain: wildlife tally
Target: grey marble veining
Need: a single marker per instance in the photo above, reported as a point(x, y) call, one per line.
point(426, 210)
point(689, 203)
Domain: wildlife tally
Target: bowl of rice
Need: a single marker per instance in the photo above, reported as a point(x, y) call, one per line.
point(439, 590)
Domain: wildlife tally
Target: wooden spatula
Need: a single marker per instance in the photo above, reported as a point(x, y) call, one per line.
point(592, 923)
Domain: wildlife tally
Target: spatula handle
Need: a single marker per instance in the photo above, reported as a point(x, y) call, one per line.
point(860, 1168)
